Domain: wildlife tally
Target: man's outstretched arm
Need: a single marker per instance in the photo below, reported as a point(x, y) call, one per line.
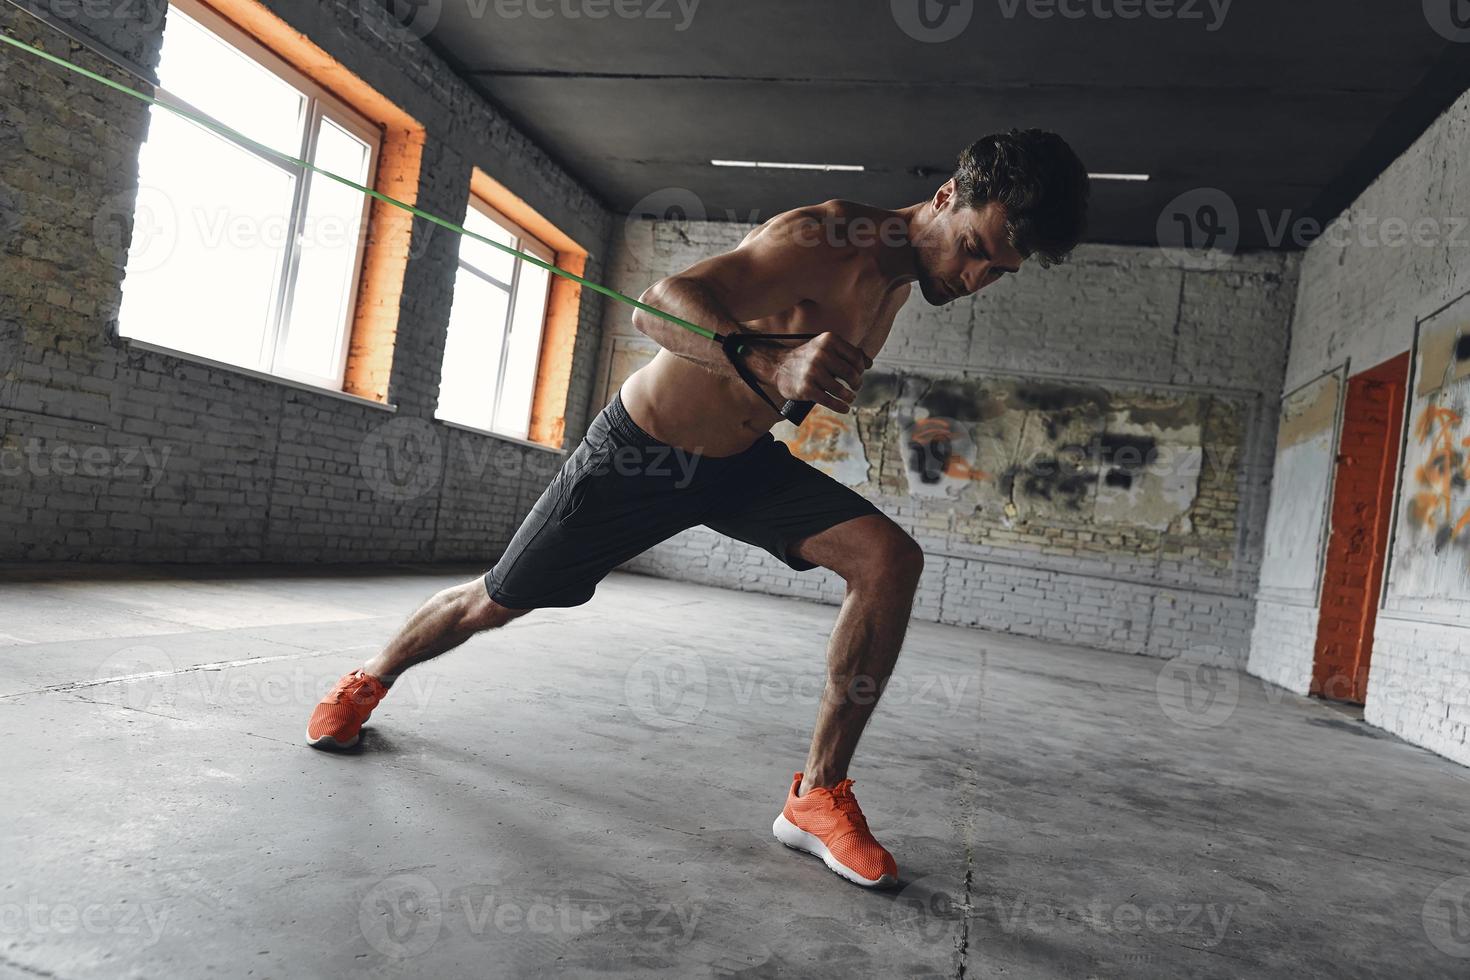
point(773, 270)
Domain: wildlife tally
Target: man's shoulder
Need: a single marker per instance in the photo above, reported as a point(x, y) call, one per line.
point(840, 229)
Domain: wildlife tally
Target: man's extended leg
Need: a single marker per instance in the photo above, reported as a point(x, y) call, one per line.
point(444, 622)
point(616, 495)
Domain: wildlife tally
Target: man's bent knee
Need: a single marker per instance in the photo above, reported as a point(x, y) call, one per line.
point(892, 560)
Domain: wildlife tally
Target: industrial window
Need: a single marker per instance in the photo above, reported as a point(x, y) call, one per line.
point(236, 255)
point(491, 355)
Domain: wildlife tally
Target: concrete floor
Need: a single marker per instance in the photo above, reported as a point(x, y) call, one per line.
point(589, 792)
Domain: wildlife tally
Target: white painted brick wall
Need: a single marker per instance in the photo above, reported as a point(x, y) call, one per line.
point(1111, 314)
point(1419, 685)
point(1358, 298)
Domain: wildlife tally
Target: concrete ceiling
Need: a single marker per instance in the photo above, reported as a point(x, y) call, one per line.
point(1290, 108)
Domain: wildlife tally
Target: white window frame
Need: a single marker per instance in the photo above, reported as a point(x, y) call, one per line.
point(524, 241)
point(320, 104)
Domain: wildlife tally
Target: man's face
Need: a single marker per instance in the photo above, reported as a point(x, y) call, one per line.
point(962, 250)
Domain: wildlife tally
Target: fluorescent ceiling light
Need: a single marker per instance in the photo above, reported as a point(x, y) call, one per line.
point(1118, 176)
point(768, 165)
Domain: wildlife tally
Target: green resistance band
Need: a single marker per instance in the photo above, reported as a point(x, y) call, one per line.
point(215, 127)
point(732, 345)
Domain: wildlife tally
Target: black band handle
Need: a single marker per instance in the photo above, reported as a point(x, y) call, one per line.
point(796, 412)
point(733, 345)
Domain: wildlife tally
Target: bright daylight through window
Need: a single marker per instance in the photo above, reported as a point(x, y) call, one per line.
point(236, 255)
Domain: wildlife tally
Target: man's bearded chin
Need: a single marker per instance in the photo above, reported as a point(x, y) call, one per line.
point(933, 294)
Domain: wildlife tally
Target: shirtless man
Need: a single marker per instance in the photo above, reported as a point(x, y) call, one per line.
point(839, 270)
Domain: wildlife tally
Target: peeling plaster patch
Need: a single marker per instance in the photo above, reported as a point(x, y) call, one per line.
point(1308, 412)
point(1301, 478)
point(1151, 469)
point(1438, 347)
point(831, 443)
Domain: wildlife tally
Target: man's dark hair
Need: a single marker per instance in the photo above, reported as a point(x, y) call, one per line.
point(1039, 180)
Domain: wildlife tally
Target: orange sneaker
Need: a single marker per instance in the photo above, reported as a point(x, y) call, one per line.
point(829, 824)
point(337, 721)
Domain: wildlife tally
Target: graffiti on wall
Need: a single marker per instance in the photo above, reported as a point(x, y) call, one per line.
point(1443, 473)
point(1024, 462)
point(1430, 566)
point(1028, 450)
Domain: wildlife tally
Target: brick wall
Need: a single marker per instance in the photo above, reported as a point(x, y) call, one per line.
point(114, 452)
point(1359, 296)
point(1116, 316)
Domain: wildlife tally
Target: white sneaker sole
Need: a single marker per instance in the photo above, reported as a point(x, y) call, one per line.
point(331, 744)
point(797, 839)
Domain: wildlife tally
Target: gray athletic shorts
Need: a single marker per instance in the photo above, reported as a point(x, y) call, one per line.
point(621, 492)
